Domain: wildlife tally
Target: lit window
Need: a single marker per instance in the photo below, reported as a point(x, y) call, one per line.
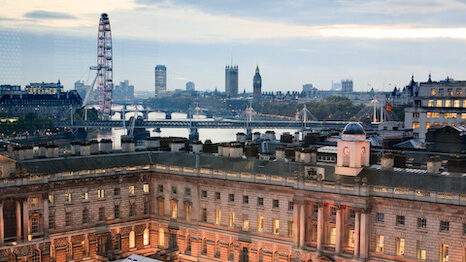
point(458, 91)
point(132, 240)
point(432, 114)
point(68, 197)
point(457, 103)
point(464, 103)
point(439, 103)
point(449, 115)
point(231, 219)
point(260, 224)
point(245, 222)
point(275, 227)
point(146, 237)
point(161, 207)
point(218, 216)
point(421, 250)
point(351, 238)
point(145, 188)
point(431, 103)
point(447, 103)
point(188, 212)
point(400, 220)
point(379, 245)
point(131, 190)
point(101, 193)
point(85, 196)
point(332, 235)
point(444, 226)
point(432, 91)
point(400, 246)
point(174, 213)
point(421, 223)
point(415, 124)
point(34, 202)
point(427, 125)
point(290, 229)
point(444, 253)
point(51, 199)
point(450, 91)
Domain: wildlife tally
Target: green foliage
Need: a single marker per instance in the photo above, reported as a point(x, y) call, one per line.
point(175, 102)
point(332, 108)
point(30, 122)
point(399, 111)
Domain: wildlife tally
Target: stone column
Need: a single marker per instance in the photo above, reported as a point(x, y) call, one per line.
point(295, 222)
point(45, 221)
point(25, 219)
point(356, 231)
point(2, 224)
point(320, 227)
point(18, 220)
point(339, 231)
point(302, 225)
point(364, 238)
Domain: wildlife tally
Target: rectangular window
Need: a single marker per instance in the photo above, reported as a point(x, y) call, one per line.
point(68, 197)
point(187, 209)
point(231, 219)
point(333, 211)
point(449, 115)
point(131, 190)
point(35, 202)
point(415, 125)
point(146, 207)
point(217, 195)
point(432, 92)
point(260, 202)
point(204, 215)
point(439, 103)
point(421, 250)
point(432, 114)
point(275, 203)
point(416, 114)
point(458, 92)
point(116, 191)
point(431, 103)
point(428, 125)
point(276, 226)
point(421, 223)
point(101, 213)
point(315, 210)
point(84, 196)
point(116, 211)
point(440, 91)
point(400, 220)
point(444, 253)
point(245, 222)
point(218, 216)
point(444, 226)
point(245, 200)
point(290, 229)
point(101, 193)
point(187, 192)
point(399, 246)
point(145, 188)
point(260, 224)
point(160, 188)
point(132, 210)
point(314, 232)
point(161, 207)
point(447, 103)
point(332, 235)
point(85, 216)
point(35, 225)
point(351, 238)
point(174, 213)
point(174, 190)
point(204, 194)
point(379, 245)
point(456, 103)
point(290, 205)
point(450, 91)
point(463, 115)
point(231, 198)
point(51, 221)
point(68, 219)
point(352, 214)
point(51, 199)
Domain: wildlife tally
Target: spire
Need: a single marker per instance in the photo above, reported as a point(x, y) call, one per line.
point(257, 69)
point(430, 79)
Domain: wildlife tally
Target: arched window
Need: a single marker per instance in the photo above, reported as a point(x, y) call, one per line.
point(69, 251)
point(276, 257)
point(204, 247)
point(132, 240)
point(146, 237)
point(36, 256)
point(161, 238)
point(85, 244)
point(217, 249)
point(188, 245)
point(260, 256)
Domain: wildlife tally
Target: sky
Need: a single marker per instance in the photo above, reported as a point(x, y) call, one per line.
point(378, 44)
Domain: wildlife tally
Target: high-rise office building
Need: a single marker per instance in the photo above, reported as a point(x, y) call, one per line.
point(231, 81)
point(160, 79)
point(347, 86)
point(257, 85)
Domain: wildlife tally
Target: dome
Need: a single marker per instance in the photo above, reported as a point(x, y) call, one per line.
point(353, 128)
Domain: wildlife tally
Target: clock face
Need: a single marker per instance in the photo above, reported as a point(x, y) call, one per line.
point(346, 151)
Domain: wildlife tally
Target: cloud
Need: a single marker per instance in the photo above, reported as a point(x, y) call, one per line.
point(41, 14)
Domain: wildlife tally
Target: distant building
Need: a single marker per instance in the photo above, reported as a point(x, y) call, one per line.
point(123, 92)
point(347, 86)
point(257, 85)
point(190, 86)
point(231, 81)
point(335, 86)
point(160, 79)
point(436, 103)
point(44, 88)
point(10, 89)
point(405, 96)
point(81, 88)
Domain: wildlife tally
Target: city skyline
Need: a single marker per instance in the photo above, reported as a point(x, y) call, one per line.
point(376, 44)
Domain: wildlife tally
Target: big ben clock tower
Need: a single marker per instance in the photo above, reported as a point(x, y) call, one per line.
point(353, 151)
point(257, 84)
